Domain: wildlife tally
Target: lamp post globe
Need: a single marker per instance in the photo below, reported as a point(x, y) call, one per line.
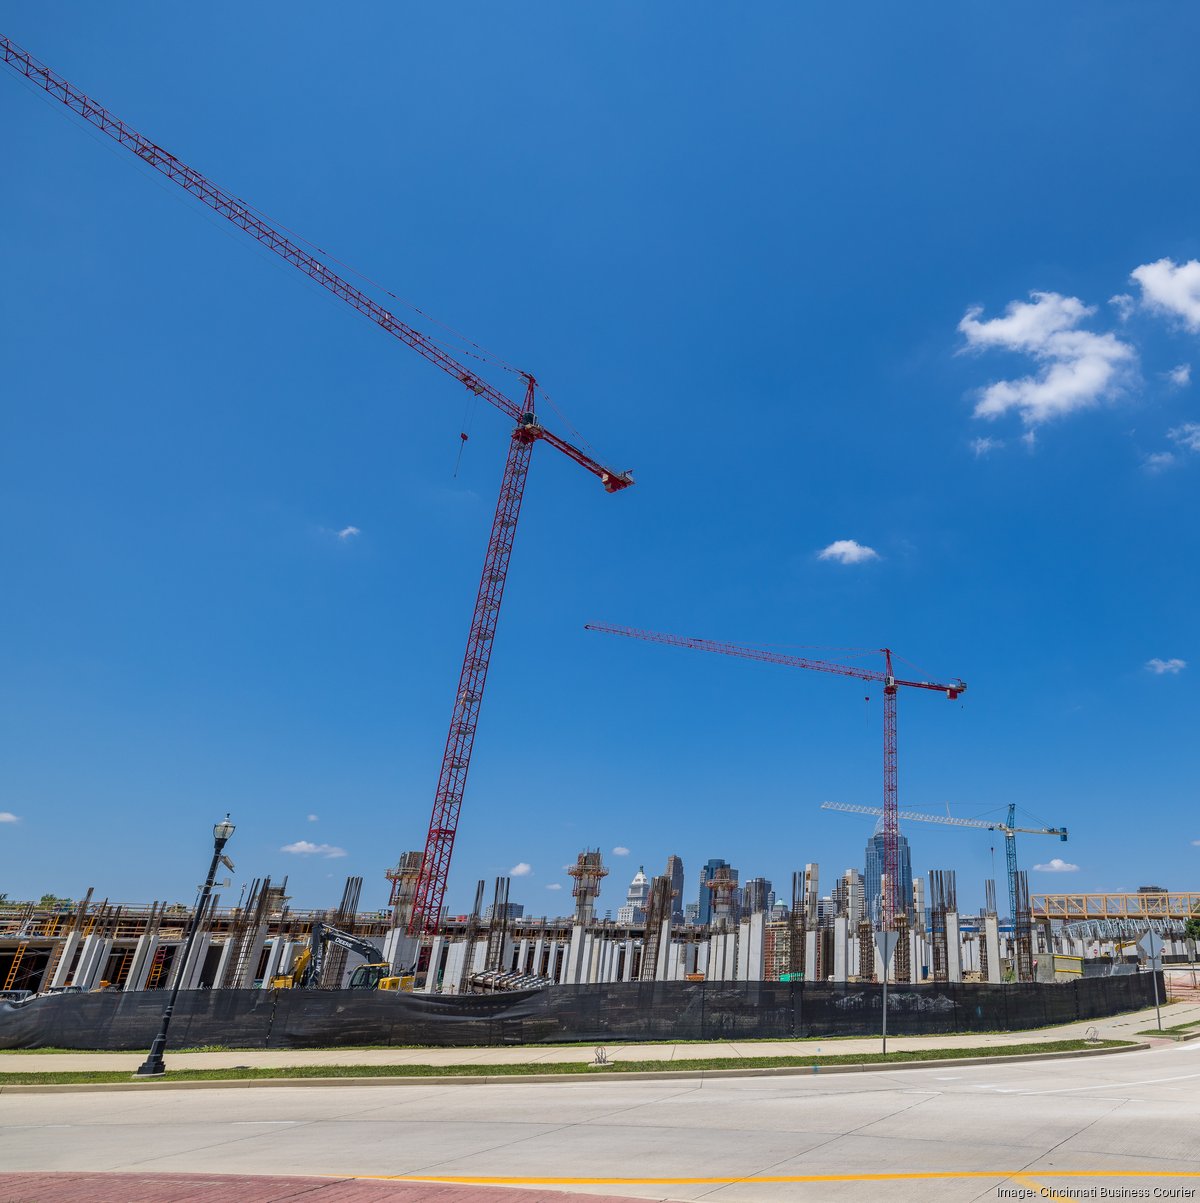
point(154, 1066)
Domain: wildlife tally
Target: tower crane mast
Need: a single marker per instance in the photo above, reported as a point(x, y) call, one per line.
point(456, 758)
point(891, 684)
point(1009, 830)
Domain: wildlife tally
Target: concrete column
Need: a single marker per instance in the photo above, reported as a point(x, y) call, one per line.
point(591, 959)
point(195, 966)
point(573, 973)
point(275, 961)
point(991, 936)
point(751, 952)
point(841, 949)
point(613, 969)
point(741, 968)
point(249, 970)
point(664, 969)
point(222, 961)
point(456, 953)
point(554, 964)
point(401, 950)
point(436, 948)
point(143, 958)
point(627, 966)
point(479, 957)
point(953, 948)
point(63, 969)
point(810, 956)
point(702, 951)
point(92, 959)
point(539, 948)
point(722, 956)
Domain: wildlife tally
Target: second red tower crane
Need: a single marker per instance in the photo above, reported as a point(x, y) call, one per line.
point(892, 904)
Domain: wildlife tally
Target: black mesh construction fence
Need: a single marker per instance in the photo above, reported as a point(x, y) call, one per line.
point(622, 1011)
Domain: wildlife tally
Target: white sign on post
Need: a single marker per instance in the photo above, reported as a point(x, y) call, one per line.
point(1151, 945)
point(885, 945)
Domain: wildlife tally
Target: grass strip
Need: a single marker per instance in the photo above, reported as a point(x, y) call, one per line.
point(1179, 1029)
point(542, 1069)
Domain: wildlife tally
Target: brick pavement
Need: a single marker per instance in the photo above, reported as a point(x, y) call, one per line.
point(235, 1188)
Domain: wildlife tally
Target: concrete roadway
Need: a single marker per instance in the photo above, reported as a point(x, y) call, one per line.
point(945, 1133)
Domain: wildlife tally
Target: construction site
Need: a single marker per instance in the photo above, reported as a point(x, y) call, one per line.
point(414, 947)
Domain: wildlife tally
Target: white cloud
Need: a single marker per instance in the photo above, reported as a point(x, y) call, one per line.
point(554, 885)
point(620, 850)
point(1180, 375)
point(348, 532)
point(1124, 304)
point(1187, 435)
point(1196, 843)
point(7, 816)
point(304, 848)
point(1057, 865)
point(312, 818)
point(982, 446)
point(1172, 289)
point(521, 869)
point(847, 551)
point(1159, 461)
point(1158, 667)
point(1078, 368)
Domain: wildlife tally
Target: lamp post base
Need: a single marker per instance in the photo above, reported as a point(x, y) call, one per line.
point(154, 1066)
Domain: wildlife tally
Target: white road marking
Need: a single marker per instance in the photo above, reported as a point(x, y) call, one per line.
point(1114, 1086)
point(238, 1123)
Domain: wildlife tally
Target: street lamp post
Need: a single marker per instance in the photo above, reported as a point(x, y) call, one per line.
point(154, 1066)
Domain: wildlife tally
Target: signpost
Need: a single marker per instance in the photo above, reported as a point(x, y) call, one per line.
point(885, 945)
point(1151, 945)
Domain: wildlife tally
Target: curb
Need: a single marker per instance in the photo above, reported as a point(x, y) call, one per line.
point(528, 1079)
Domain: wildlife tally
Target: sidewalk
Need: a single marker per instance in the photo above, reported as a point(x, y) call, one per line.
point(1117, 1027)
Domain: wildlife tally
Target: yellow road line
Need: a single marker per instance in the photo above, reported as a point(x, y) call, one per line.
point(494, 1180)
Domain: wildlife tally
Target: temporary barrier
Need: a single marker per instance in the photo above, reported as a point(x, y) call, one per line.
point(621, 1011)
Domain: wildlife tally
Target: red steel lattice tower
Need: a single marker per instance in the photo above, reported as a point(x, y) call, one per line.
point(892, 903)
point(456, 760)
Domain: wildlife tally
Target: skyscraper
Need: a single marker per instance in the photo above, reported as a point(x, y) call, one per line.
point(755, 895)
point(634, 910)
point(675, 873)
point(706, 874)
point(874, 871)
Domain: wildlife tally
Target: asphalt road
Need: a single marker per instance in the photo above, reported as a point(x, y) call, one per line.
point(949, 1133)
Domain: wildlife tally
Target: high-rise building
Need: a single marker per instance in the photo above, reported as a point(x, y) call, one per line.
point(634, 910)
point(874, 871)
point(691, 914)
point(675, 873)
point(510, 910)
point(756, 896)
point(705, 897)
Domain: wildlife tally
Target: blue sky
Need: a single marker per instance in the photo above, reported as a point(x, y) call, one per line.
point(791, 270)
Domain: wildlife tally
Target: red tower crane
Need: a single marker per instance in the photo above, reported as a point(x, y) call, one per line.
point(456, 759)
point(891, 684)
